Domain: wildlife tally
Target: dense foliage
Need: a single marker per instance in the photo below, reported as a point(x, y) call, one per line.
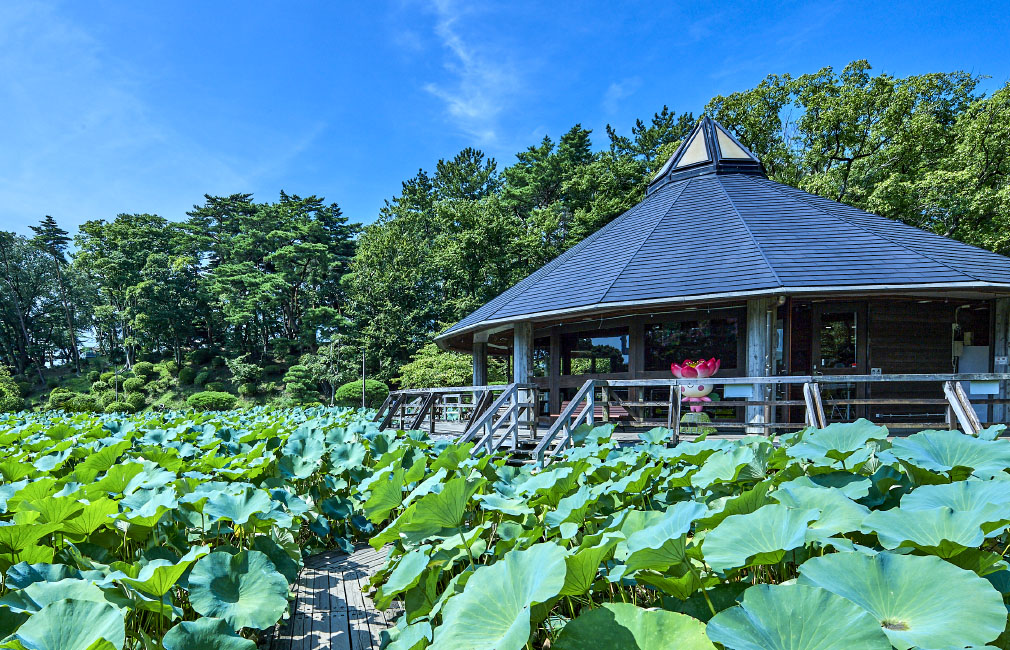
point(835, 539)
point(293, 283)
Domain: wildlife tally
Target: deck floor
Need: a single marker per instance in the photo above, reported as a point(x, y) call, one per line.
point(331, 608)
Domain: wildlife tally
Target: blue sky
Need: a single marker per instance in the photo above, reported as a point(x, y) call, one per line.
point(110, 107)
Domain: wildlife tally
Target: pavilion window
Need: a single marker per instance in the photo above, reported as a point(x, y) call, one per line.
point(675, 341)
point(595, 352)
point(542, 357)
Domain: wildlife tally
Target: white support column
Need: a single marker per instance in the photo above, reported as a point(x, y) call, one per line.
point(522, 353)
point(759, 355)
point(480, 359)
point(1001, 348)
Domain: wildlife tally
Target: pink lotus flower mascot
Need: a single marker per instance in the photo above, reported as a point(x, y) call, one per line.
point(695, 394)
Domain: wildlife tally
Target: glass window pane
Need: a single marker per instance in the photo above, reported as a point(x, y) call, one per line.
point(673, 342)
point(696, 151)
point(838, 340)
point(596, 352)
point(541, 357)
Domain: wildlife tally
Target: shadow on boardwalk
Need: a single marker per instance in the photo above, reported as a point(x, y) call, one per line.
point(331, 609)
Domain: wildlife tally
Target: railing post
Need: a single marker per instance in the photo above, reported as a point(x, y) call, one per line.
point(606, 403)
point(590, 405)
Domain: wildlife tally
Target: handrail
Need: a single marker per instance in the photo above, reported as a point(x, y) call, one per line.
point(482, 421)
point(563, 420)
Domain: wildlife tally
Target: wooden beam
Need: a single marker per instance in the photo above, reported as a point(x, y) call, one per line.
point(554, 376)
point(522, 352)
point(480, 363)
point(759, 353)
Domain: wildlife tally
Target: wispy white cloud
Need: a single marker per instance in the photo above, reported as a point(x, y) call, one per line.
point(81, 141)
point(481, 81)
point(617, 91)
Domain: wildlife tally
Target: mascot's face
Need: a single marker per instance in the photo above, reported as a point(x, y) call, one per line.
point(696, 390)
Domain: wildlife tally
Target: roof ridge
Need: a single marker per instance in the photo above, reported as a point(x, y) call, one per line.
point(644, 240)
point(758, 246)
point(802, 199)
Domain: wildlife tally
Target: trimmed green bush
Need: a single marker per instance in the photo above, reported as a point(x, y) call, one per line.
point(143, 369)
point(58, 397)
point(82, 404)
point(217, 362)
point(107, 397)
point(210, 400)
point(107, 377)
point(94, 376)
point(119, 407)
point(100, 387)
point(187, 376)
point(134, 385)
point(10, 395)
point(247, 390)
point(218, 386)
point(171, 366)
point(350, 394)
point(137, 401)
point(201, 377)
point(273, 369)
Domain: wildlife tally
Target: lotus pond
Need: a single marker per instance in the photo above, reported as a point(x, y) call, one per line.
point(185, 531)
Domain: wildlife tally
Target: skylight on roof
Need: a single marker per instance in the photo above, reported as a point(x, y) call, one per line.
point(696, 151)
point(729, 148)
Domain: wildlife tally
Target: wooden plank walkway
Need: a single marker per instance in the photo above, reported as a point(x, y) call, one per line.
point(331, 608)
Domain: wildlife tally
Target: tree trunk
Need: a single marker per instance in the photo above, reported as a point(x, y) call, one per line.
point(71, 332)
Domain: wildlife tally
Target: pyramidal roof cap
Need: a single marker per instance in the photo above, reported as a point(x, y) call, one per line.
point(709, 149)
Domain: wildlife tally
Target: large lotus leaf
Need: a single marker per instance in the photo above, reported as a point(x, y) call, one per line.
point(404, 575)
point(16, 537)
point(571, 509)
point(505, 505)
point(942, 451)
point(940, 531)
point(583, 563)
point(910, 596)
point(158, 576)
point(348, 457)
point(959, 495)
point(386, 495)
point(493, 611)
point(23, 574)
point(838, 513)
point(723, 467)
point(849, 485)
point(238, 508)
point(431, 484)
point(796, 617)
point(93, 516)
point(696, 451)
point(245, 589)
point(662, 543)
point(205, 634)
point(621, 626)
point(436, 512)
point(282, 559)
point(761, 537)
point(836, 442)
point(73, 625)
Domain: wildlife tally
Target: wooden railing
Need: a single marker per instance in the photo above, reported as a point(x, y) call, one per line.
point(505, 418)
point(569, 419)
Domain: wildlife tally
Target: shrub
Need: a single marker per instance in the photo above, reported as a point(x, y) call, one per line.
point(243, 371)
point(136, 401)
point(210, 400)
point(107, 397)
point(10, 395)
point(247, 390)
point(273, 369)
point(171, 366)
point(52, 382)
point(300, 384)
point(119, 407)
point(107, 377)
point(58, 397)
point(143, 369)
point(218, 386)
point(199, 356)
point(350, 394)
point(82, 404)
point(24, 387)
point(217, 362)
point(94, 376)
point(201, 377)
point(134, 385)
point(186, 376)
point(100, 387)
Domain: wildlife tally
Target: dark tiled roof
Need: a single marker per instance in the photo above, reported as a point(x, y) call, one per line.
point(705, 230)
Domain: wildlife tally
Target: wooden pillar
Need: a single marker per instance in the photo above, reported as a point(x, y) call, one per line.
point(759, 355)
point(554, 373)
point(636, 366)
point(480, 361)
point(522, 353)
point(1001, 348)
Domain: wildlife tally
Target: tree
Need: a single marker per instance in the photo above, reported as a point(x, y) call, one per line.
point(431, 367)
point(52, 239)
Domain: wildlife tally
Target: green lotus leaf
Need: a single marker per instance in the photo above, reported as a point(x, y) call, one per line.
point(622, 626)
point(571, 509)
point(761, 537)
point(345, 458)
point(740, 504)
point(406, 573)
point(942, 451)
point(836, 442)
point(796, 617)
point(582, 564)
point(93, 516)
point(409, 637)
point(238, 508)
point(16, 537)
point(839, 514)
point(436, 512)
point(158, 576)
point(959, 495)
point(910, 597)
point(656, 436)
point(493, 610)
point(723, 467)
point(386, 495)
point(205, 634)
point(721, 596)
point(941, 531)
point(23, 574)
point(662, 543)
point(37, 595)
point(503, 504)
point(853, 486)
point(73, 625)
point(245, 589)
point(282, 559)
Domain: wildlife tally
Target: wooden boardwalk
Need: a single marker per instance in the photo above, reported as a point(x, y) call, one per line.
point(331, 608)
